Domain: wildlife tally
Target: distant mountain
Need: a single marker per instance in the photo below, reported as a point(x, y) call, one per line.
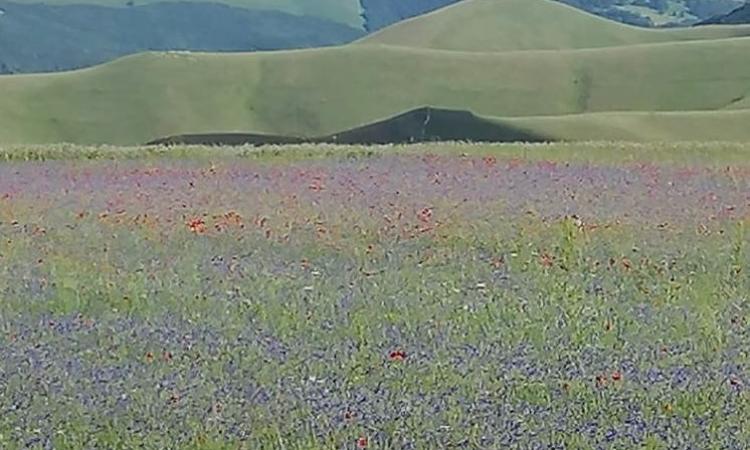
point(649, 13)
point(348, 12)
point(381, 13)
point(740, 15)
point(43, 38)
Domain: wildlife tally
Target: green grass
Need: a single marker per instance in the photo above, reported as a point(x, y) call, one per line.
point(709, 154)
point(139, 98)
point(344, 11)
point(504, 25)
point(641, 126)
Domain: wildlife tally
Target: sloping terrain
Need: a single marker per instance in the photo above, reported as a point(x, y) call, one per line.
point(318, 92)
point(740, 15)
point(640, 126)
point(503, 25)
point(343, 11)
point(42, 38)
point(420, 125)
point(56, 35)
point(379, 14)
point(656, 12)
point(452, 125)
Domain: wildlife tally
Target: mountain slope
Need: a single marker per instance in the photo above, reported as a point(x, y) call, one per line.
point(382, 13)
point(740, 15)
point(317, 92)
point(656, 12)
point(42, 38)
point(503, 25)
point(343, 11)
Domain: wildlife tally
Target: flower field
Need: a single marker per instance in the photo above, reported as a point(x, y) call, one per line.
point(390, 298)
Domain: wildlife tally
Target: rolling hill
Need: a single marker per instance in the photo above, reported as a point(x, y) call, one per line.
point(684, 77)
point(434, 124)
point(639, 126)
point(504, 25)
point(425, 124)
point(317, 92)
point(42, 38)
point(56, 35)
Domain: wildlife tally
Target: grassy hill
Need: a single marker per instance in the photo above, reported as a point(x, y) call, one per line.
point(318, 92)
point(432, 124)
point(503, 25)
point(689, 77)
point(43, 38)
point(640, 126)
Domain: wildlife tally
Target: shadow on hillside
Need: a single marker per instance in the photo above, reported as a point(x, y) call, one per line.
point(425, 124)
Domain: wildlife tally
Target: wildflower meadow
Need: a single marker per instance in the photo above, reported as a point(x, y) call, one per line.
point(566, 296)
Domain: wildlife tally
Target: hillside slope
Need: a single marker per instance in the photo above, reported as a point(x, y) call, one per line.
point(432, 124)
point(639, 126)
point(317, 92)
point(503, 25)
point(343, 11)
point(42, 38)
point(740, 15)
point(379, 14)
point(656, 12)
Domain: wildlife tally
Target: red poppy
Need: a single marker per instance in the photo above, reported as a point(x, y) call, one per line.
point(398, 355)
point(197, 225)
point(362, 442)
point(616, 375)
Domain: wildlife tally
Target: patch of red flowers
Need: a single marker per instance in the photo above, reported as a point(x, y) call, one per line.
point(197, 225)
point(397, 355)
point(362, 442)
point(616, 376)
